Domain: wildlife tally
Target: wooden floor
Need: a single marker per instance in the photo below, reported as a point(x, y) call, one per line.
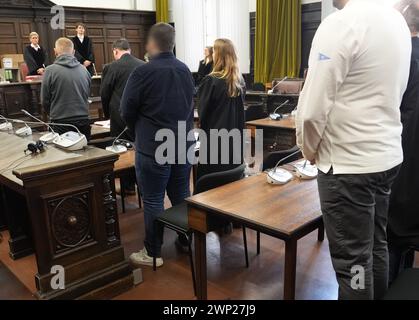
point(228, 277)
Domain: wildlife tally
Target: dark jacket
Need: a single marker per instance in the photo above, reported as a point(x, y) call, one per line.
point(84, 51)
point(203, 71)
point(158, 95)
point(34, 59)
point(404, 204)
point(65, 90)
point(114, 79)
point(217, 110)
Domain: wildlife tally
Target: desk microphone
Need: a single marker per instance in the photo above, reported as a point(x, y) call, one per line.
point(47, 138)
point(71, 141)
point(26, 131)
point(276, 86)
point(117, 148)
point(7, 126)
point(278, 176)
point(275, 116)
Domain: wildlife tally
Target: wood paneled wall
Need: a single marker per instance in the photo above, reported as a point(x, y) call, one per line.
point(19, 17)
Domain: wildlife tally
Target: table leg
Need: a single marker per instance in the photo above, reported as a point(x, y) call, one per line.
point(290, 269)
point(201, 265)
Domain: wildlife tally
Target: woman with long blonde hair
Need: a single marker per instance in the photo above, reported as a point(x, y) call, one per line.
point(221, 106)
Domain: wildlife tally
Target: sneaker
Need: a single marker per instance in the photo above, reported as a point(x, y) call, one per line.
point(143, 259)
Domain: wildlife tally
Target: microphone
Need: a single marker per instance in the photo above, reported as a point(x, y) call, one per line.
point(94, 70)
point(26, 131)
point(47, 138)
point(280, 82)
point(7, 126)
point(275, 116)
point(278, 176)
point(115, 148)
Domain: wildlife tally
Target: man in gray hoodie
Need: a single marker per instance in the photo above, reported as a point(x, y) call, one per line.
point(65, 90)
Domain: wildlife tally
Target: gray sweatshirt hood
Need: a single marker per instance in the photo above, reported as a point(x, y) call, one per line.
point(67, 60)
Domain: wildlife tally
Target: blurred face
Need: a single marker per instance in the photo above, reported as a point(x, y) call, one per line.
point(35, 40)
point(207, 52)
point(152, 48)
point(81, 30)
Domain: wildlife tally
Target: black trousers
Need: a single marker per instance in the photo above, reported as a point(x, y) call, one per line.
point(82, 125)
point(355, 212)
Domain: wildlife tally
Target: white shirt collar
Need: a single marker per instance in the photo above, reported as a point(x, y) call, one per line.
point(35, 47)
point(81, 38)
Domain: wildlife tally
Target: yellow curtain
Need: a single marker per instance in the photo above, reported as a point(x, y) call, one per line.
point(278, 39)
point(162, 11)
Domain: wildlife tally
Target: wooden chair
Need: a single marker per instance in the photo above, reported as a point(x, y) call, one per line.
point(24, 71)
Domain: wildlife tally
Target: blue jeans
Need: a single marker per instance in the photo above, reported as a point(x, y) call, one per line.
point(155, 180)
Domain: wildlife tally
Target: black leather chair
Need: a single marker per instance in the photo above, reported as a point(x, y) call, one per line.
point(271, 160)
point(254, 112)
point(176, 218)
point(258, 86)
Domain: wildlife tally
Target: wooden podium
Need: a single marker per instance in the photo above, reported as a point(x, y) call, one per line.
point(62, 207)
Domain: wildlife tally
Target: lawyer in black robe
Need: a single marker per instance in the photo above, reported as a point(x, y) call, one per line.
point(218, 110)
point(84, 51)
point(404, 206)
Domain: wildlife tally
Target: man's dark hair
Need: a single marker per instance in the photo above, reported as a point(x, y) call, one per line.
point(121, 44)
point(164, 35)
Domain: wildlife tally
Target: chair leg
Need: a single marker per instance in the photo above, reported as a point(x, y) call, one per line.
point(258, 242)
point(192, 263)
point(246, 252)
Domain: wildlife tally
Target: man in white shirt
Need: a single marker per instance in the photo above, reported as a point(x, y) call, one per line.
point(348, 123)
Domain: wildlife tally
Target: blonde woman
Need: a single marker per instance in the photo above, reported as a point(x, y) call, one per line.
point(221, 106)
point(35, 56)
point(206, 65)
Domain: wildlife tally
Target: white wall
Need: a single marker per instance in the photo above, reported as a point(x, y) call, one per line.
point(200, 22)
point(146, 5)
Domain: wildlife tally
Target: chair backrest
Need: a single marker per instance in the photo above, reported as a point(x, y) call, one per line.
point(258, 86)
point(219, 179)
point(254, 112)
point(273, 158)
point(24, 71)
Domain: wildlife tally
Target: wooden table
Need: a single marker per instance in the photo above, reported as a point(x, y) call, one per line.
point(61, 205)
point(287, 212)
point(277, 135)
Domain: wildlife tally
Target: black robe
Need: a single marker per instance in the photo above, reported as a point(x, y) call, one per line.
point(217, 110)
point(404, 204)
point(204, 70)
point(35, 60)
point(84, 51)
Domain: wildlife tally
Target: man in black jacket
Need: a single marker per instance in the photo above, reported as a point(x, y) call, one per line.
point(114, 80)
point(84, 48)
point(157, 97)
point(403, 228)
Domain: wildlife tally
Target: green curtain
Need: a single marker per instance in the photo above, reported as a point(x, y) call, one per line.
point(162, 11)
point(278, 39)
